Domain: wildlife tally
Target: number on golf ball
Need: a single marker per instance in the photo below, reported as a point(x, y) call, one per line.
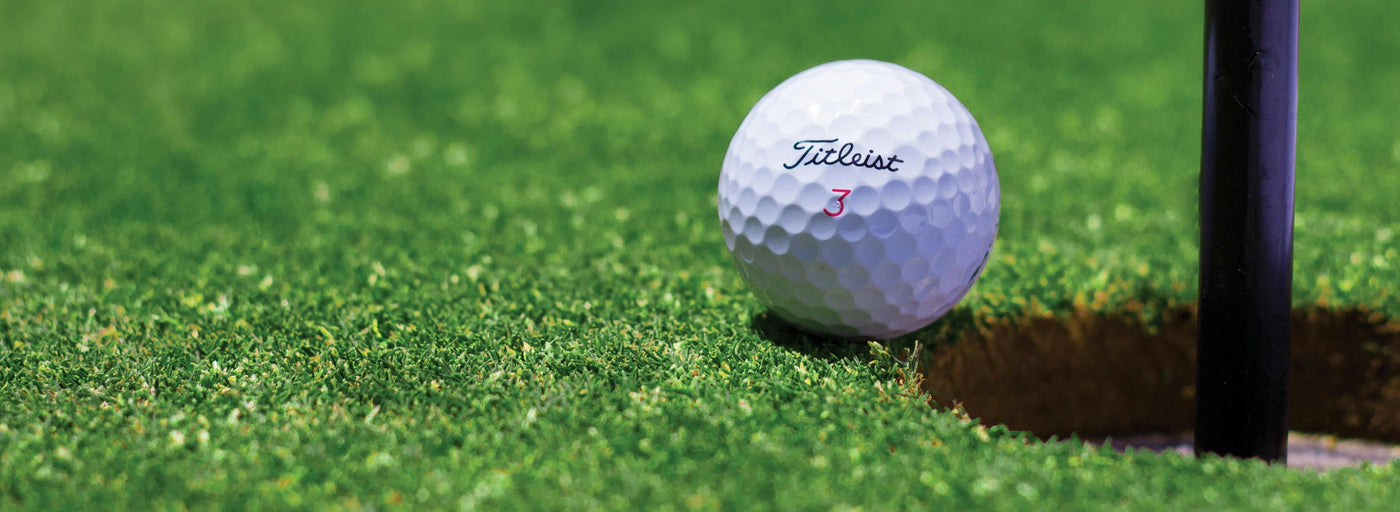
point(859, 199)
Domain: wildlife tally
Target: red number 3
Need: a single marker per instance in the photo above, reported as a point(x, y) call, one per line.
point(840, 202)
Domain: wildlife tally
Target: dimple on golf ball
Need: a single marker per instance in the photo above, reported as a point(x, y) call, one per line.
point(859, 199)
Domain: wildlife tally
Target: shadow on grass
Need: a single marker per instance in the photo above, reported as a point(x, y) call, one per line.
point(775, 330)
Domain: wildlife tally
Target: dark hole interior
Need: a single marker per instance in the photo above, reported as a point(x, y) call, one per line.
point(1102, 376)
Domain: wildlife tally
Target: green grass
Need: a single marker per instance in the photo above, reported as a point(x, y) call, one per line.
point(331, 254)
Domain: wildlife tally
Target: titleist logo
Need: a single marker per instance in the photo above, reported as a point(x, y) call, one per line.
point(826, 152)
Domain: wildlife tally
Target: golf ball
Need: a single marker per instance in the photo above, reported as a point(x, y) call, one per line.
point(859, 199)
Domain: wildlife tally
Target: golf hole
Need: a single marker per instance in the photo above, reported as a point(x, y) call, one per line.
point(1104, 377)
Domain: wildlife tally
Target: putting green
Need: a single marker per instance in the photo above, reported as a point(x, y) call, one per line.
point(335, 254)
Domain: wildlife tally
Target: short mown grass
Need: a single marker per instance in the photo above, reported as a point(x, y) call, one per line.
point(347, 255)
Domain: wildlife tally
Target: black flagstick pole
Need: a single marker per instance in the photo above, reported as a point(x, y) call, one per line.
point(1247, 159)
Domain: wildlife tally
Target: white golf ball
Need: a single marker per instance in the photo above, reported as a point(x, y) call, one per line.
point(859, 199)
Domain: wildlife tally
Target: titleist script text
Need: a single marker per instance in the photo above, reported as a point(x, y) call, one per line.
point(826, 152)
